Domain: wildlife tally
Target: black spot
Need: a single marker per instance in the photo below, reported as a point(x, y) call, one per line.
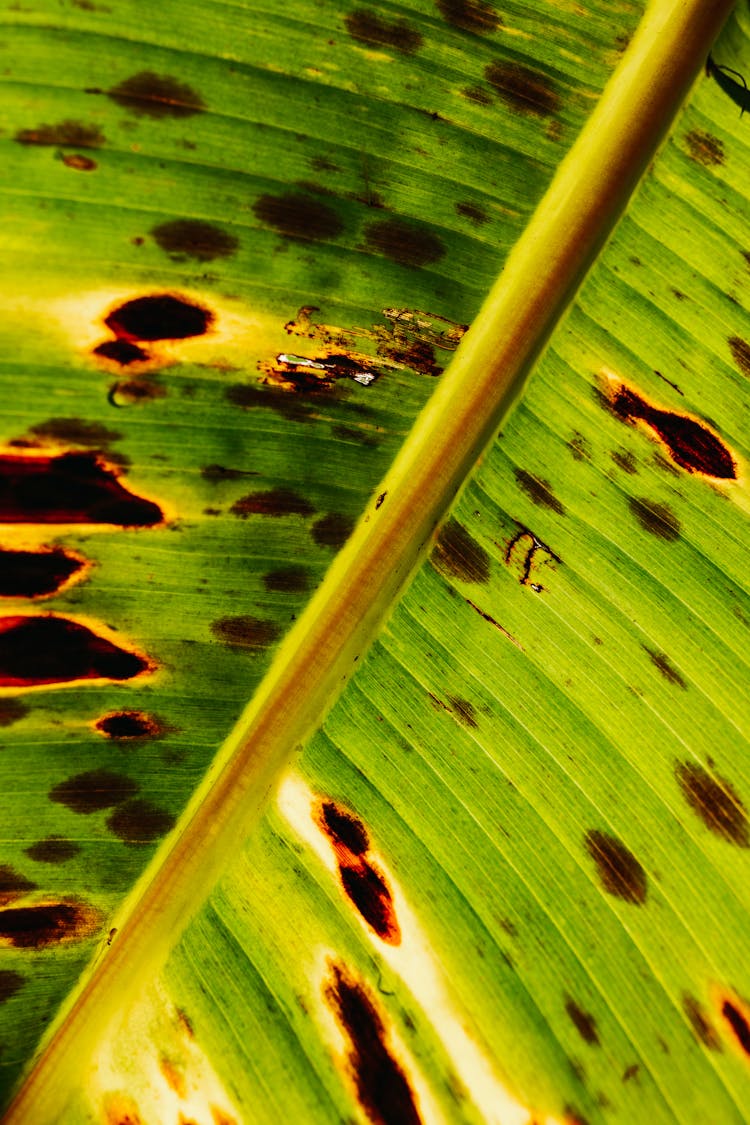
point(404, 243)
point(68, 134)
point(715, 801)
point(477, 94)
point(584, 1022)
point(54, 849)
point(538, 491)
point(418, 355)
point(277, 502)
point(661, 661)
point(470, 15)
point(246, 632)
point(704, 148)
point(368, 27)
point(289, 405)
point(13, 883)
point(76, 431)
point(741, 351)
point(624, 460)
point(332, 530)
point(457, 555)
point(49, 650)
point(140, 822)
point(11, 711)
point(35, 927)
point(123, 352)
point(78, 162)
point(344, 829)
point(702, 1027)
point(473, 212)
point(32, 574)
point(620, 872)
point(123, 725)
point(160, 316)
point(156, 95)
point(193, 238)
point(298, 216)
point(93, 791)
point(288, 580)
point(382, 1086)
point(527, 91)
point(11, 982)
point(218, 473)
point(71, 488)
point(739, 1025)
point(689, 443)
point(370, 894)
point(464, 711)
point(657, 519)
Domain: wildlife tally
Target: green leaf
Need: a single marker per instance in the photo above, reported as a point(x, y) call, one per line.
point(505, 879)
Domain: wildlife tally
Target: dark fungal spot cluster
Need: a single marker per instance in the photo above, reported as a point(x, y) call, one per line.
point(657, 519)
point(666, 668)
point(404, 243)
point(715, 801)
point(76, 431)
point(382, 1087)
point(79, 162)
point(473, 212)
point(13, 884)
point(523, 90)
point(134, 820)
point(11, 982)
point(477, 16)
point(12, 710)
point(620, 873)
point(53, 849)
point(740, 350)
point(48, 649)
point(288, 580)
point(532, 551)
point(149, 319)
point(275, 503)
point(464, 711)
point(46, 924)
point(196, 239)
point(332, 530)
point(246, 632)
point(624, 460)
point(155, 95)
point(583, 1021)
point(362, 882)
point(36, 574)
point(736, 1020)
point(702, 1027)
point(298, 216)
point(124, 726)
point(139, 822)
point(368, 27)
point(64, 134)
point(538, 491)
point(704, 148)
point(457, 555)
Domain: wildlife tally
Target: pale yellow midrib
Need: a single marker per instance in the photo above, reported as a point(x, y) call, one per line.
point(541, 275)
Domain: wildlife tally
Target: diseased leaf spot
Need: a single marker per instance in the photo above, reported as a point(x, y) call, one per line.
point(619, 871)
point(624, 460)
point(156, 95)
point(738, 1024)
point(11, 982)
point(216, 474)
point(92, 791)
point(371, 896)
point(657, 519)
point(13, 883)
point(193, 238)
point(76, 431)
point(470, 15)
point(55, 849)
point(65, 134)
point(123, 352)
point(703, 1029)
point(332, 530)
point(53, 650)
point(464, 711)
point(458, 555)
point(298, 216)
point(524, 90)
point(661, 661)
point(418, 355)
point(36, 927)
point(12, 711)
point(121, 1109)
point(368, 27)
point(287, 580)
point(71, 488)
point(130, 725)
point(741, 352)
point(583, 1021)
point(278, 502)
point(249, 398)
point(477, 94)
point(538, 491)
point(78, 162)
point(382, 1087)
point(344, 829)
point(246, 632)
point(715, 801)
point(159, 316)
point(579, 447)
point(704, 148)
point(404, 243)
point(31, 574)
point(473, 212)
point(140, 822)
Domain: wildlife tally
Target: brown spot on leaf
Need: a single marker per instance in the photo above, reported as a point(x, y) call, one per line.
point(464, 711)
point(367, 889)
point(173, 1076)
point(277, 502)
point(159, 316)
point(156, 95)
point(382, 1087)
point(70, 134)
point(55, 849)
point(624, 460)
point(288, 580)
point(704, 148)
point(54, 650)
point(130, 725)
point(741, 352)
point(619, 871)
point(524, 90)
point(194, 238)
point(71, 488)
point(715, 801)
point(538, 491)
point(246, 632)
point(584, 1022)
point(298, 216)
point(404, 243)
point(370, 28)
point(78, 162)
point(332, 530)
point(470, 15)
point(579, 447)
point(419, 355)
point(661, 661)
point(13, 883)
point(31, 574)
point(45, 924)
point(123, 352)
point(248, 397)
point(216, 474)
point(140, 822)
point(657, 519)
point(345, 831)
point(703, 1029)
point(11, 982)
point(473, 212)
point(736, 1017)
point(92, 791)
point(477, 94)
point(457, 555)
point(76, 431)
point(121, 1109)
point(11, 711)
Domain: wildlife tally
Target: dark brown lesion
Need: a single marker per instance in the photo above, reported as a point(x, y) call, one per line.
point(130, 726)
point(620, 873)
point(715, 801)
point(147, 94)
point(458, 555)
point(526, 91)
point(736, 1019)
point(532, 547)
point(37, 574)
point(63, 134)
point(46, 650)
point(370, 28)
point(45, 924)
